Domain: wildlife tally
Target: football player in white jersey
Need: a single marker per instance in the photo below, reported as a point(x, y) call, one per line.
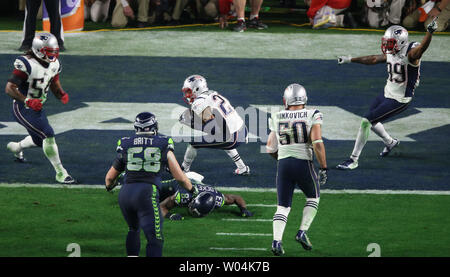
point(34, 73)
point(403, 67)
point(213, 114)
point(295, 134)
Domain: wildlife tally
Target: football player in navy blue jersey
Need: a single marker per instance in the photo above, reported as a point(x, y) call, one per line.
point(184, 198)
point(143, 157)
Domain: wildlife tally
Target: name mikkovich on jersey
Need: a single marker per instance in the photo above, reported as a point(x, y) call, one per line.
point(225, 267)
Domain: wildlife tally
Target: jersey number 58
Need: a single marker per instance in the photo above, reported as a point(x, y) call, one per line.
point(150, 163)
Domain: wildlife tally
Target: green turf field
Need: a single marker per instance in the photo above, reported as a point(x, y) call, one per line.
point(103, 64)
point(41, 222)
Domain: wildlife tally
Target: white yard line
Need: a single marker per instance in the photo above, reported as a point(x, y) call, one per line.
point(245, 234)
point(247, 219)
point(243, 189)
point(237, 249)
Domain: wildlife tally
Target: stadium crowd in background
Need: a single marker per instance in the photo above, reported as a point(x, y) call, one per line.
point(320, 13)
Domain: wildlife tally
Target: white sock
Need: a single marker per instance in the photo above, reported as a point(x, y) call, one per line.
point(361, 139)
point(309, 212)
point(381, 132)
point(189, 157)
point(234, 155)
point(252, 16)
point(51, 152)
point(27, 142)
point(279, 222)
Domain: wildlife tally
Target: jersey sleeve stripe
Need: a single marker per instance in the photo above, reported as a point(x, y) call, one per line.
point(20, 74)
point(27, 64)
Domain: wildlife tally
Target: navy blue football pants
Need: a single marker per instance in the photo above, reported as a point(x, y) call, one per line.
point(139, 203)
point(35, 122)
point(383, 108)
point(236, 139)
point(292, 172)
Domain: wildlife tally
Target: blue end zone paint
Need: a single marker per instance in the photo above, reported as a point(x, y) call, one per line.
point(88, 154)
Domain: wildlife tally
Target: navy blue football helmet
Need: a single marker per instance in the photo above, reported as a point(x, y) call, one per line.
point(202, 205)
point(146, 123)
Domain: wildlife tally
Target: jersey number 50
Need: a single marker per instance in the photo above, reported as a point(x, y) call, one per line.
point(296, 131)
point(150, 163)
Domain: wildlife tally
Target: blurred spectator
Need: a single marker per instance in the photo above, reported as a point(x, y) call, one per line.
point(254, 21)
point(288, 3)
point(161, 10)
point(203, 9)
point(417, 11)
point(225, 10)
point(96, 10)
point(125, 11)
point(329, 13)
point(29, 25)
point(382, 13)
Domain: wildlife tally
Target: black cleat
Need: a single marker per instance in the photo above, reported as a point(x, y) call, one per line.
point(277, 248)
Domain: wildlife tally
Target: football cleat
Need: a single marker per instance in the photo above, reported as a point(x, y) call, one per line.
point(388, 148)
point(242, 172)
point(65, 179)
point(240, 26)
point(256, 23)
point(303, 239)
point(348, 164)
point(277, 248)
point(15, 148)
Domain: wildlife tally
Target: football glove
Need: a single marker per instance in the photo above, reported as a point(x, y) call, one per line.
point(194, 191)
point(246, 213)
point(323, 176)
point(175, 217)
point(116, 182)
point(64, 97)
point(35, 104)
point(344, 59)
point(432, 26)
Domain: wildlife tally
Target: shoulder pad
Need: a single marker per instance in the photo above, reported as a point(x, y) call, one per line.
point(22, 64)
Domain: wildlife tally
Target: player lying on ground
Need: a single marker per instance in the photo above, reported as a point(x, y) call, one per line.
point(207, 200)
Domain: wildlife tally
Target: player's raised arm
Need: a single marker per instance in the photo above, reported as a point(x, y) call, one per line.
point(416, 53)
point(368, 60)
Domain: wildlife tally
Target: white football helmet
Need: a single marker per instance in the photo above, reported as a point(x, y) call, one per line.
point(45, 47)
point(294, 94)
point(394, 39)
point(193, 86)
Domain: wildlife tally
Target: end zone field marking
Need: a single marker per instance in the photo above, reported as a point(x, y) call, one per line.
point(247, 219)
point(238, 249)
point(244, 234)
